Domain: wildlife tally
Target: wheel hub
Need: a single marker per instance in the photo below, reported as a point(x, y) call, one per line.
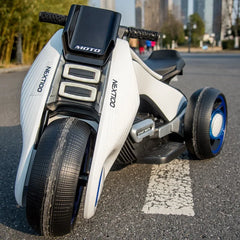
point(217, 125)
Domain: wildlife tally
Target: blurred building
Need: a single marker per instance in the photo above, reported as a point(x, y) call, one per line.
point(176, 9)
point(107, 4)
point(226, 18)
point(216, 15)
point(217, 19)
point(184, 11)
point(139, 9)
point(125, 7)
point(151, 14)
point(205, 9)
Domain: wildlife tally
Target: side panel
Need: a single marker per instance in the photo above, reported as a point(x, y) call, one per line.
point(167, 98)
point(119, 110)
point(35, 90)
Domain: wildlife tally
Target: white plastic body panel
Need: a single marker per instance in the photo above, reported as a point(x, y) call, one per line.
point(35, 90)
point(117, 117)
point(168, 99)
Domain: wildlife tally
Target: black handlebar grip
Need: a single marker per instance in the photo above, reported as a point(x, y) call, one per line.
point(52, 18)
point(142, 34)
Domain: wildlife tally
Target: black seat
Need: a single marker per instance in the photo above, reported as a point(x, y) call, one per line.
point(167, 63)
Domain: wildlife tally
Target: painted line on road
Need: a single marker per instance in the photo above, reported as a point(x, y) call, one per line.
point(169, 190)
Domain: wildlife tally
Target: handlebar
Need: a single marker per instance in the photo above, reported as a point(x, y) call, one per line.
point(141, 34)
point(130, 32)
point(53, 18)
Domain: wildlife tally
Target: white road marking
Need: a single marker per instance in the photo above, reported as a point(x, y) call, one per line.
point(169, 190)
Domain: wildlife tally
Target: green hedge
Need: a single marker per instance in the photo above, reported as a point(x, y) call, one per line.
point(228, 44)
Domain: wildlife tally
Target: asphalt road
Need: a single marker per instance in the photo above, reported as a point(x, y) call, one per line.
point(214, 183)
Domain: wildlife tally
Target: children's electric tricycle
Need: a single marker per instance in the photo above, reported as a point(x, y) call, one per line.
point(89, 101)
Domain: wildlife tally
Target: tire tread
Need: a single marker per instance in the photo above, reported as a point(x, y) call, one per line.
point(55, 175)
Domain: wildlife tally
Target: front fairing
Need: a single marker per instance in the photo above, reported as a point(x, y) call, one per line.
point(121, 102)
point(35, 90)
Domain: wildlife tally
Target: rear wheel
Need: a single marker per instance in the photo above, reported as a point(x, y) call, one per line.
point(205, 123)
point(54, 190)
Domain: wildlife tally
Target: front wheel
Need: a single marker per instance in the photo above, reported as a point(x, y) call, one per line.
point(205, 123)
point(54, 191)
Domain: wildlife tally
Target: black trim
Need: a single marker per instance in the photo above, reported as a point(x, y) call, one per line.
point(167, 63)
point(90, 34)
point(81, 73)
point(78, 91)
point(147, 105)
point(75, 110)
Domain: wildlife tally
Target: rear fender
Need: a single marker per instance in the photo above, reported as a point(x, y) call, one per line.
point(168, 99)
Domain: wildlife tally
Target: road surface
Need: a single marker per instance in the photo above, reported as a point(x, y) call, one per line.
point(184, 199)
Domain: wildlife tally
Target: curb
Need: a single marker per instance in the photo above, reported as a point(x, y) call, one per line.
point(14, 69)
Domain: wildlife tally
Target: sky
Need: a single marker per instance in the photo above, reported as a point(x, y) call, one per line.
point(128, 19)
point(190, 7)
point(125, 7)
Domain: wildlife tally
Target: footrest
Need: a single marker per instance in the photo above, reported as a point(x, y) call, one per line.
point(164, 153)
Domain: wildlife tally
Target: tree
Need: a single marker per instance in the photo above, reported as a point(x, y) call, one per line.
point(197, 28)
point(173, 29)
point(19, 19)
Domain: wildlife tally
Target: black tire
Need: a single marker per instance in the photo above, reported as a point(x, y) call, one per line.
point(205, 123)
point(53, 191)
